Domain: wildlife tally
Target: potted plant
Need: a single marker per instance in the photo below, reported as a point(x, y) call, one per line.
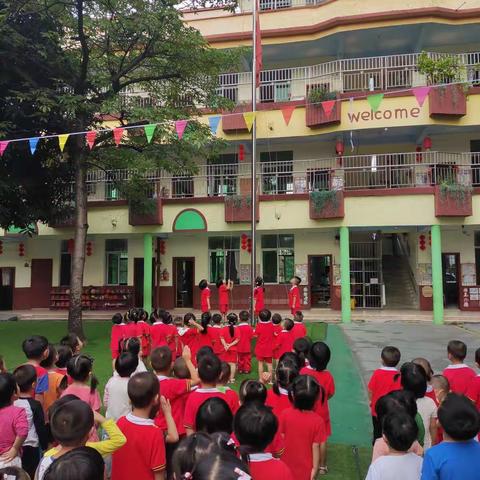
point(325, 204)
point(148, 211)
point(315, 115)
point(443, 70)
point(238, 208)
point(453, 199)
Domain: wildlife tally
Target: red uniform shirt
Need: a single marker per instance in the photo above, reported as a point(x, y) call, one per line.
point(259, 295)
point(276, 448)
point(115, 337)
point(159, 333)
point(215, 333)
point(285, 341)
point(473, 392)
point(325, 379)
point(223, 300)
point(278, 403)
point(204, 339)
point(225, 334)
point(204, 297)
point(460, 376)
point(277, 328)
point(299, 330)
point(130, 330)
point(144, 452)
point(246, 335)
point(264, 467)
point(294, 298)
point(233, 398)
point(191, 338)
point(171, 340)
point(383, 382)
point(301, 429)
point(265, 334)
point(143, 329)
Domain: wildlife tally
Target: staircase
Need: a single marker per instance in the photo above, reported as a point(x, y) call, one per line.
point(399, 290)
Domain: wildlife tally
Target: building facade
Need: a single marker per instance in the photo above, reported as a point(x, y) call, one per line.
point(373, 206)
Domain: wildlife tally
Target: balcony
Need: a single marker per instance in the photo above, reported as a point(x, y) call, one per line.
point(267, 5)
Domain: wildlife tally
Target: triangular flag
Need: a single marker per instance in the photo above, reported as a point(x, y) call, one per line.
point(249, 117)
point(3, 146)
point(375, 101)
point(62, 140)
point(214, 121)
point(180, 126)
point(117, 135)
point(149, 131)
point(421, 94)
point(287, 112)
point(91, 135)
point(328, 107)
point(33, 144)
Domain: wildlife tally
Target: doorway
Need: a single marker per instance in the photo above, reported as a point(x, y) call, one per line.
point(41, 284)
point(138, 269)
point(183, 279)
point(320, 280)
point(450, 272)
point(7, 282)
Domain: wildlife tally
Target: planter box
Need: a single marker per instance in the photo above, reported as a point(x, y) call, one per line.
point(448, 206)
point(315, 116)
point(331, 209)
point(448, 100)
point(239, 210)
point(155, 217)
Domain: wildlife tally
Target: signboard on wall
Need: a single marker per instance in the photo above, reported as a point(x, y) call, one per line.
point(424, 274)
point(244, 273)
point(469, 274)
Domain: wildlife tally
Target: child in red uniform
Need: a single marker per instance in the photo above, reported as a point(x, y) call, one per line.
point(457, 373)
point(319, 357)
point(230, 337)
point(265, 334)
point(143, 456)
point(204, 296)
point(160, 332)
point(294, 295)
point(255, 427)
point(224, 379)
point(143, 330)
point(473, 392)
point(215, 332)
point(244, 347)
point(204, 339)
point(277, 328)
point(277, 397)
point(383, 380)
point(304, 430)
point(130, 328)
point(36, 350)
point(190, 336)
point(259, 296)
point(224, 289)
point(299, 329)
point(285, 338)
point(116, 335)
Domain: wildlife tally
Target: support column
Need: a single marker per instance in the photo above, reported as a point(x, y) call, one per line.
point(437, 276)
point(345, 274)
point(147, 272)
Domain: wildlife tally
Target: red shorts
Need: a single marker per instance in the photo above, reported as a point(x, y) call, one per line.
point(224, 308)
point(229, 357)
point(265, 359)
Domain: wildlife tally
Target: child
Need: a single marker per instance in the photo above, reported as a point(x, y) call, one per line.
point(265, 334)
point(457, 373)
point(277, 397)
point(115, 398)
point(74, 342)
point(304, 430)
point(294, 302)
point(399, 432)
point(190, 336)
point(162, 331)
point(319, 357)
point(204, 296)
point(383, 380)
point(259, 296)
point(204, 339)
point(143, 456)
point(473, 392)
point(441, 388)
point(301, 347)
point(37, 438)
point(35, 349)
point(230, 337)
point(224, 289)
point(64, 353)
point(214, 415)
point(133, 346)
point(54, 378)
point(299, 329)
point(143, 332)
point(277, 328)
point(130, 329)
point(223, 380)
point(285, 338)
point(425, 364)
point(14, 473)
point(244, 347)
point(459, 455)
point(255, 427)
point(117, 334)
point(215, 332)
point(13, 423)
point(78, 464)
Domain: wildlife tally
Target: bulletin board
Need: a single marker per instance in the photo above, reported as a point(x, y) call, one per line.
point(469, 275)
point(424, 274)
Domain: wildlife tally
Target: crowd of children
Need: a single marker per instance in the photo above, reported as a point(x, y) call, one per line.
point(171, 411)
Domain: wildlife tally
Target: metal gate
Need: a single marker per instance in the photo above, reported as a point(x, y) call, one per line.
point(366, 278)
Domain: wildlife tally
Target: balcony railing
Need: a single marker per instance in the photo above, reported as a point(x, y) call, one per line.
point(357, 172)
point(265, 5)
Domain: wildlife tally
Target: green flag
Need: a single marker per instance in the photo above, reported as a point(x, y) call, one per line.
point(149, 131)
point(375, 101)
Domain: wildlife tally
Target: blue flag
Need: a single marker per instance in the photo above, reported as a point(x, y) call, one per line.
point(214, 121)
point(33, 144)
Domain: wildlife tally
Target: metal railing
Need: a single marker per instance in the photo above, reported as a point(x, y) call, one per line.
point(266, 5)
point(356, 172)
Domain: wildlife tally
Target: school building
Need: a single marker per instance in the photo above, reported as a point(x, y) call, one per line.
point(380, 202)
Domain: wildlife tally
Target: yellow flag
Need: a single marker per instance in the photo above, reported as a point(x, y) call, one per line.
point(249, 117)
point(62, 140)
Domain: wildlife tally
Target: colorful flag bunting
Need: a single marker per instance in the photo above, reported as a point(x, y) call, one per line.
point(149, 131)
point(117, 135)
point(328, 107)
point(375, 101)
point(3, 146)
point(213, 122)
point(287, 113)
point(180, 126)
point(33, 144)
point(249, 117)
point(91, 135)
point(62, 140)
point(421, 94)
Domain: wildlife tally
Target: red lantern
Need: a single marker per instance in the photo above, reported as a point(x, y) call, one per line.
point(163, 248)
point(430, 239)
point(249, 245)
point(241, 152)
point(1, 247)
point(427, 143)
point(419, 156)
point(21, 250)
point(244, 241)
point(70, 245)
point(422, 242)
point(339, 148)
point(89, 249)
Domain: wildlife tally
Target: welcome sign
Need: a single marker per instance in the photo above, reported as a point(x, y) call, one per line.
point(384, 114)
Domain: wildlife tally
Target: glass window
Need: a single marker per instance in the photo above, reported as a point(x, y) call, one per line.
point(278, 258)
point(222, 175)
point(117, 261)
point(224, 258)
point(277, 172)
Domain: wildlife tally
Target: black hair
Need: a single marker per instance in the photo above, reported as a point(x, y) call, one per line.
point(161, 359)
point(304, 392)
point(59, 403)
point(216, 319)
point(477, 356)
point(15, 473)
point(180, 369)
point(203, 284)
point(204, 351)
point(244, 316)
point(133, 315)
point(276, 319)
point(301, 347)
point(153, 317)
point(319, 356)
point(142, 314)
point(83, 463)
point(165, 316)
point(399, 400)
point(8, 387)
point(224, 442)
point(49, 361)
point(459, 417)
point(131, 344)
point(400, 431)
point(117, 319)
point(259, 282)
point(232, 320)
point(252, 391)
point(64, 355)
point(79, 368)
point(457, 349)
point(214, 415)
point(189, 451)
point(187, 317)
point(391, 356)
point(25, 376)
point(219, 282)
point(142, 389)
point(298, 279)
point(72, 340)
point(209, 369)
point(414, 379)
point(226, 373)
point(265, 315)
point(220, 465)
point(425, 364)
point(291, 357)
point(288, 324)
point(34, 347)
point(205, 320)
point(126, 364)
point(285, 374)
point(298, 316)
point(71, 422)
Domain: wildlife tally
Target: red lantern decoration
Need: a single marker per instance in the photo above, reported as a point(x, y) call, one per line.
point(163, 248)
point(422, 242)
point(89, 249)
point(244, 241)
point(21, 249)
point(418, 156)
point(241, 152)
point(1, 247)
point(340, 148)
point(249, 245)
point(427, 143)
point(430, 239)
point(70, 245)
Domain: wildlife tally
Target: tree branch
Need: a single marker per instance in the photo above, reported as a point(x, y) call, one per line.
point(81, 81)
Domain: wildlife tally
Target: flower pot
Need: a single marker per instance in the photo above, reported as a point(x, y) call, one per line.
point(238, 209)
point(451, 205)
point(316, 117)
point(326, 205)
point(447, 100)
point(153, 215)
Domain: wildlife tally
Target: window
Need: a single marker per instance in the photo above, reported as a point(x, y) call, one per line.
point(222, 175)
point(224, 258)
point(477, 256)
point(278, 258)
point(277, 172)
point(182, 186)
point(117, 262)
point(65, 264)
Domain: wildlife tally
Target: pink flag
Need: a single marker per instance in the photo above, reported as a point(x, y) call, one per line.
point(117, 135)
point(421, 94)
point(3, 146)
point(287, 113)
point(91, 135)
point(328, 107)
point(180, 126)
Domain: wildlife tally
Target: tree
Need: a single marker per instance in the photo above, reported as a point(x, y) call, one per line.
point(110, 47)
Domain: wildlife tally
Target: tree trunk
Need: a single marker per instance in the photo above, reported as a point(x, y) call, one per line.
point(75, 324)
